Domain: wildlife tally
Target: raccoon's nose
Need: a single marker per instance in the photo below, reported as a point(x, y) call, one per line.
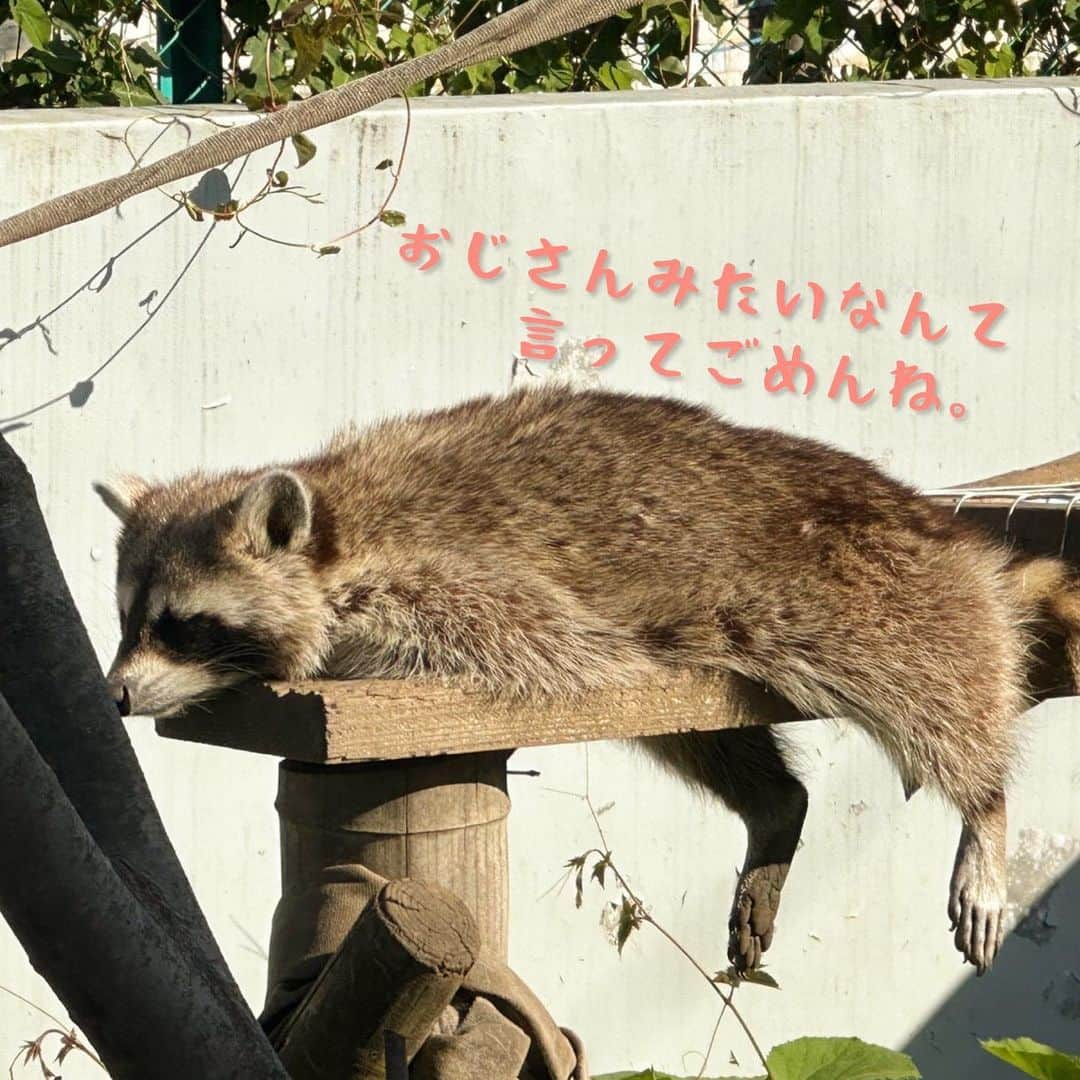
point(123, 701)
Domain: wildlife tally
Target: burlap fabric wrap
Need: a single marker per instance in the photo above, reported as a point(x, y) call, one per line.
point(521, 27)
point(501, 1031)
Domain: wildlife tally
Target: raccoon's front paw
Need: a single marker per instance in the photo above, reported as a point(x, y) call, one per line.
point(753, 914)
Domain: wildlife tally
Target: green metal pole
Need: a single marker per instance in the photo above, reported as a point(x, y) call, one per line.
point(189, 43)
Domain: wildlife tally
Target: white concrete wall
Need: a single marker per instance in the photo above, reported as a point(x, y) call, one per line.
point(966, 193)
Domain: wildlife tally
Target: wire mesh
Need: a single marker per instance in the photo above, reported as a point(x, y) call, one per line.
point(205, 52)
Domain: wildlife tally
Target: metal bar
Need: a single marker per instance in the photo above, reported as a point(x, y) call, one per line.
point(189, 43)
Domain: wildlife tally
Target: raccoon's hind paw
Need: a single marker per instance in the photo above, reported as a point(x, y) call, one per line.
point(979, 930)
point(977, 903)
point(753, 914)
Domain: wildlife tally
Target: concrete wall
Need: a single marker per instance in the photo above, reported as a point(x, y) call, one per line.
point(200, 353)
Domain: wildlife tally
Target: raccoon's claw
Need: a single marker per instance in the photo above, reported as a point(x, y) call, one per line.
point(978, 929)
point(977, 920)
point(753, 914)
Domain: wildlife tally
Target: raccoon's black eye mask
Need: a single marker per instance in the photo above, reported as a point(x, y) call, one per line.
point(209, 640)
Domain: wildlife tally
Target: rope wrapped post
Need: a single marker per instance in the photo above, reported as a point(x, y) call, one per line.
point(396, 971)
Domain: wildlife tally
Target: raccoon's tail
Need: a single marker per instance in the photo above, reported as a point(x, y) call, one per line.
point(1048, 592)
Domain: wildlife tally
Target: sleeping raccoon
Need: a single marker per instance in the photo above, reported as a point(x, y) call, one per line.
point(549, 542)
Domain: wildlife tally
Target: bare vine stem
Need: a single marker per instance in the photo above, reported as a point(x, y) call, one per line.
point(393, 187)
point(642, 913)
point(32, 1049)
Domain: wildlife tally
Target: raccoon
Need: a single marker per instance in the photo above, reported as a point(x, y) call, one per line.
point(550, 542)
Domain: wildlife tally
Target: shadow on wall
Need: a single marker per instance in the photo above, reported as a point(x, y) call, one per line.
point(1034, 987)
point(213, 189)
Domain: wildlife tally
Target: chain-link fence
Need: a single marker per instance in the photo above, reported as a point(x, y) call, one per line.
point(267, 52)
point(205, 49)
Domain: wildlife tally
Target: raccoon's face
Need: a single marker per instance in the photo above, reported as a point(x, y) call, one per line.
point(215, 585)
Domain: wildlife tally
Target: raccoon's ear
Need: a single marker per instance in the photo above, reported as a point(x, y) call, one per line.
point(275, 513)
point(121, 495)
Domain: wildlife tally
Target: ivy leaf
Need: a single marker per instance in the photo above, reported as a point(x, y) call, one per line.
point(776, 28)
point(839, 1059)
point(394, 218)
point(1002, 64)
point(1034, 1059)
point(812, 33)
point(305, 150)
point(309, 51)
point(33, 21)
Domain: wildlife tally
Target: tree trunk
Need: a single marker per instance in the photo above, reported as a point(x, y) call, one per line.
point(128, 939)
point(144, 1001)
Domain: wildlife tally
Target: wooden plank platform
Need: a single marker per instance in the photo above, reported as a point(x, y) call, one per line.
point(384, 720)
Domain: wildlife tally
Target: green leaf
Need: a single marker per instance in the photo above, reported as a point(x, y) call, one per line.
point(138, 96)
point(758, 977)
point(1002, 64)
point(62, 57)
point(309, 51)
point(1034, 1059)
point(601, 868)
point(776, 28)
point(577, 864)
point(619, 75)
point(305, 150)
point(652, 1074)
point(143, 54)
point(394, 218)
point(31, 17)
point(839, 1059)
point(629, 921)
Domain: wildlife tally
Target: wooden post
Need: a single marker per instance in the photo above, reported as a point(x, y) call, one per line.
point(441, 820)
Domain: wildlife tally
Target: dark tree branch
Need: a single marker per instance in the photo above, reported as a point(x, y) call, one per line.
point(51, 680)
point(132, 988)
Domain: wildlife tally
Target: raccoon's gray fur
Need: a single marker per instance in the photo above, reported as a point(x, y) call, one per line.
point(548, 542)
